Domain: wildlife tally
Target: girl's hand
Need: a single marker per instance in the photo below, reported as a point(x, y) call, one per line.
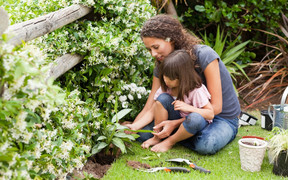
point(164, 129)
point(181, 106)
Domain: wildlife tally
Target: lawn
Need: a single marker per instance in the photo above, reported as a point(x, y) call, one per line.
point(223, 165)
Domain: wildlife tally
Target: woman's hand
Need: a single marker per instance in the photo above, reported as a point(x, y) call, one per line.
point(164, 129)
point(181, 106)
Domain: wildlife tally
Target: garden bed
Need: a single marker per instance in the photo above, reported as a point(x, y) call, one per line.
point(98, 169)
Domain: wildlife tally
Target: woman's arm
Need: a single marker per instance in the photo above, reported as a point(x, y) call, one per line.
point(149, 103)
point(212, 76)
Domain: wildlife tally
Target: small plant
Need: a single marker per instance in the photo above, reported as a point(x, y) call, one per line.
point(112, 135)
point(278, 143)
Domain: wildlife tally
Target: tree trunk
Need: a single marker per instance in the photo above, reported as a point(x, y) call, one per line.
point(170, 8)
point(40, 26)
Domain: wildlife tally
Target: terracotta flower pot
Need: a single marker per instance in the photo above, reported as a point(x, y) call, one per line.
point(280, 167)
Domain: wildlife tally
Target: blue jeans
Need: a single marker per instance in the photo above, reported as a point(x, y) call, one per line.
point(208, 138)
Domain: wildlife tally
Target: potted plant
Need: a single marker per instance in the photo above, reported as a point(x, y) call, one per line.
point(252, 151)
point(278, 151)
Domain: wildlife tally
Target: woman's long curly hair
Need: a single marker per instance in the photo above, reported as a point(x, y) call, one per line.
point(170, 29)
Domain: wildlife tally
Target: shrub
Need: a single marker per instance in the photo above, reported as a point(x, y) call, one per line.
point(47, 129)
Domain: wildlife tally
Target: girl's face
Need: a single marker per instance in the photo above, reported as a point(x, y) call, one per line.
point(171, 83)
point(158, 48)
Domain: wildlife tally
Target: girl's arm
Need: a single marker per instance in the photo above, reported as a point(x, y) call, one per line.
point(212, 76)
point(206, 111)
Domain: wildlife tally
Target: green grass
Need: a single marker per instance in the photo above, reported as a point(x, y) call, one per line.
point(223, 165)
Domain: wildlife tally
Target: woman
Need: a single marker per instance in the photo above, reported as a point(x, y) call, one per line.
point(161, 35)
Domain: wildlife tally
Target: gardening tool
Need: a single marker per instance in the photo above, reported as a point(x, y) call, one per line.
point(192, 165)
point(166, 169)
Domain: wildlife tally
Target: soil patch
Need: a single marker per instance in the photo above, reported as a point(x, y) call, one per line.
point(97, 165)
point(138, 165)
point(95, 169)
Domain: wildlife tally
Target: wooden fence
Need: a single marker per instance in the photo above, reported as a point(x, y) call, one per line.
point(40, 26)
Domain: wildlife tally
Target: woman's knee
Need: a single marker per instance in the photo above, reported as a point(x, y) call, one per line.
point(209, 147)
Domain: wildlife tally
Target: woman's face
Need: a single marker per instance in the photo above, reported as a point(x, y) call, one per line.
point(158, 48)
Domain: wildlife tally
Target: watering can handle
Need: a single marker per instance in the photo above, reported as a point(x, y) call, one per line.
point(269, 112)
point(284, 96)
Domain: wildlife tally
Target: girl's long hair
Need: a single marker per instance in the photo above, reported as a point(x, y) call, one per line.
point(178, 65)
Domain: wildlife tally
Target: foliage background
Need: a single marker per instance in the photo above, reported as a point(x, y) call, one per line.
point(55, 126)
point(75, 110)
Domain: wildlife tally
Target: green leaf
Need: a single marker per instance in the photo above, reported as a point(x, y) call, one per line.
point(141, 130)
point(120, 144)
point(120, 115)
point(98, 147)
point(101, 138)
point(237, 48)
point(199, 8)
point(124, 135)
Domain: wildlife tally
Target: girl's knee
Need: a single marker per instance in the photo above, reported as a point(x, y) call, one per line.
point(164, 98)
point(194, 122)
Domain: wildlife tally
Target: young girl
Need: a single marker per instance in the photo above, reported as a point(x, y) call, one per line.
point(179, 79)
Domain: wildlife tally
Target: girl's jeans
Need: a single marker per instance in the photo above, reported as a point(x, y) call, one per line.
point(208, 138)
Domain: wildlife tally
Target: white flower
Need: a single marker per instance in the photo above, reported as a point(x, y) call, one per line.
point(4, 146)
point(122, 98)
point(26, 137)
point(139, 96)
point(125, 104)
point(130, 97)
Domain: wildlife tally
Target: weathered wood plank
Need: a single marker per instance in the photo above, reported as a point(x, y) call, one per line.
point(64, 64)
point(40, 26)
point(4, 20)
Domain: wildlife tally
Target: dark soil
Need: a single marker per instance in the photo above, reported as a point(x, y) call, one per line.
point(97, 165)
point(250, 144)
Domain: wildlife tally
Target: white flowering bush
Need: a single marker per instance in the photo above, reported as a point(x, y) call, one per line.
point(46, 129)
point(45, 132)
point(114, 54)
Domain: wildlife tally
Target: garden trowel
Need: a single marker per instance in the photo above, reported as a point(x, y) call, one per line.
point(192, 165)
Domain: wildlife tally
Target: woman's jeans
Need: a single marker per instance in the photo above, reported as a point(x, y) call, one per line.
point(208, 138)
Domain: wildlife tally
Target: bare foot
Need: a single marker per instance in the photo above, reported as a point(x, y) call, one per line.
point(150, 142)
point(163, 146)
